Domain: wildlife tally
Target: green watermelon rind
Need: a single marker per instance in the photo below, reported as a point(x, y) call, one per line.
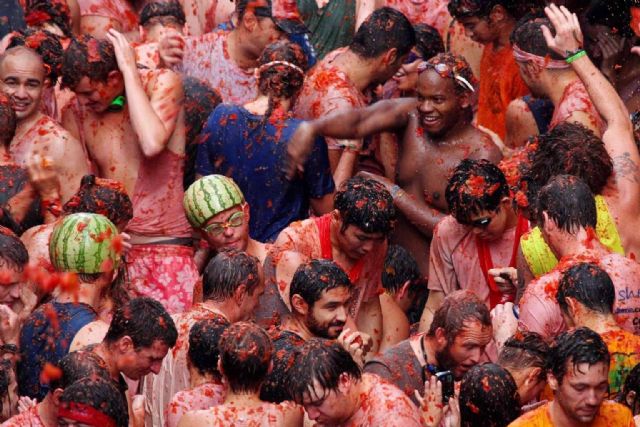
point(226, 194)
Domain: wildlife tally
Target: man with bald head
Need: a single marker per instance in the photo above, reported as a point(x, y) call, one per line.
point(23, 78)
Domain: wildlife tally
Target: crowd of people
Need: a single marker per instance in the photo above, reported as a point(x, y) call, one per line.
point(354, 213)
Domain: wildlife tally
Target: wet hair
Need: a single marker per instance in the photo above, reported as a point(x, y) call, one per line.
point(399, 266)
point(456, 66)
point(366, 204)
point(204, 340)
point(568, 202)
point(162, 8)
point(8, 120)
point(631, 383)
point(78, 365)
point(474, 187)
point(88, 57)
point(428, 41)
point(575, 347)
point(199, 101)
point(13, 253)
point(277, 79)
point(589, 285)
point(572, 149)
point(261, 8)
point(488, 397)
point(56, 12)
point(100, 394)
point(45, 44)
point(323, 361)
point(386, 28)
point(524, 350)
point(245, 356)
point(315, 277)
point(145, 321)
point(482, 8)
point(229, 269)
point(528, 36)
point(457, 309)
point(103, 196)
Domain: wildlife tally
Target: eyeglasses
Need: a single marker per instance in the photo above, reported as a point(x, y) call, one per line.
point(445, 71)
point(217, 228)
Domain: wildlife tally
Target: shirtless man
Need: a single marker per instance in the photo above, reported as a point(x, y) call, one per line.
point(244, 348)
point(338, 82)
point(232, 285)
point(226, 59)
point(621, 190)
point(547, 75)
point(434, 130)
point(140, 112)
point(23, 77)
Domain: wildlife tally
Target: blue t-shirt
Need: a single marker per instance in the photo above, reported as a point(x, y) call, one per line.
point(252, 151)
point(46, 337)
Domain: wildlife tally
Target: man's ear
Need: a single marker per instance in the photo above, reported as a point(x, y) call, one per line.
point(299, 305)
point(239, 294)
point(573, 306)
point(390, 56)
point(142, 32)
point(630, 398)
point(55, 396)
point(404, 290)
point(465, 99)
point(441, 338)
point(552, 381)
point(46, 82)
point(114, 77)
point(344, 383)
point(533, 376)
point(498, 14)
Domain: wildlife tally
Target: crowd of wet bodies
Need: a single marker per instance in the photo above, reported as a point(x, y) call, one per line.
point(319, 212)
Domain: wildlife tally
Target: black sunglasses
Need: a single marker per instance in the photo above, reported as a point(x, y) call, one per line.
point(481, 223)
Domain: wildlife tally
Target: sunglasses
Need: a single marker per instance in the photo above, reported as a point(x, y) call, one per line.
point(481, 222)
point(445, 71)
point(217, 228)
point(411, 58)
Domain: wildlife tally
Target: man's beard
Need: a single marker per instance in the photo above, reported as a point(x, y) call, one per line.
point(319, 330)
point(445, 361)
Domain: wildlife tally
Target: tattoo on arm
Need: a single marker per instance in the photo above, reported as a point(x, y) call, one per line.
point(625, 167)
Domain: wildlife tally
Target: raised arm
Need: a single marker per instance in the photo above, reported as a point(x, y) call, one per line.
point(348, 124)
point(153, 118)
point(618, 137)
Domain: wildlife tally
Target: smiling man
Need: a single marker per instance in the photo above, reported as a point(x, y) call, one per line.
point(482, 231)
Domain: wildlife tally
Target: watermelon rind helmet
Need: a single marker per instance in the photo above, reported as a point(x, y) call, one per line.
point(83, 243)
point(209, 196)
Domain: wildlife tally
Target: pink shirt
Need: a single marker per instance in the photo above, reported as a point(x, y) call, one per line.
point(28, 418)
point(204, 396)
point(326, 90)
point(576, 98)
point(540, 312)
point(453, 258)
point(207, 58)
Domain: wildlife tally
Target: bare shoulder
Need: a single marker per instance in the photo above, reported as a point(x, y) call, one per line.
point(91, 333)
point(483, 144)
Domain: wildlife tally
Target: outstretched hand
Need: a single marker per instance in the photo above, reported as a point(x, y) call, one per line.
point(568, 36)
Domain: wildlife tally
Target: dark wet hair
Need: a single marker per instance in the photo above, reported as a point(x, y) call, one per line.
point(568, 202)
point(386, 28)
point(488, 397)
point(524, 350)
point(428, 41)
point(261, 8)
point(631, 383)
point(39, 12)
point(199, 101)
point(315, 277)
point(323, 361)
point(88, 57)
point(572, 149)
point(399, 266)
point(145, 320)
point(366, 204)
point(13, 253)
point(482, 8)
point(474, 187)
point(78, 365)
point(204, 340)
point(245, 356)
point(456, 66)
point(8, 120)
point(103, 196)
point(100, 394)
point(575, 347)
point(46, 45)
point(589, 285)
point(229, 269)
point(162, 8)
point(528, 36)
point(458, 308)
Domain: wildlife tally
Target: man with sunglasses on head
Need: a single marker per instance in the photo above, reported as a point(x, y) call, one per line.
point(482, 231)
point(433, 129)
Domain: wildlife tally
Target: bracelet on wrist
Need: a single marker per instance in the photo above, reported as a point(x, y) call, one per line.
point(573, 56)
point(395, 189)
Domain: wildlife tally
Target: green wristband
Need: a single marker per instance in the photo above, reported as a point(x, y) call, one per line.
point(579, 54)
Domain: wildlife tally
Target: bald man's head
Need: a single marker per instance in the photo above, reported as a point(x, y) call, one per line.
point(22, 79)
